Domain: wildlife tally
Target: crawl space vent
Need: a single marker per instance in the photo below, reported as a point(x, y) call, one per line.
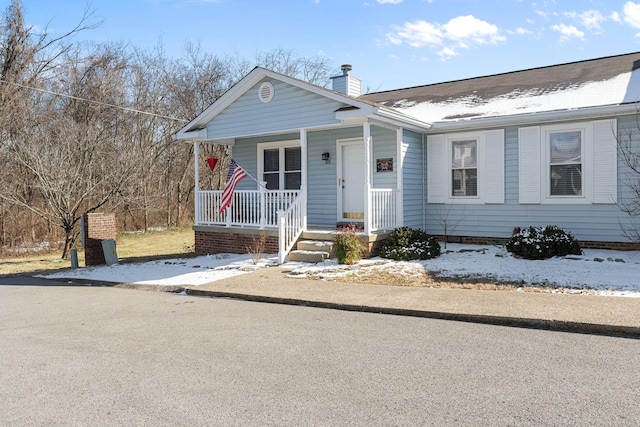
point(265, 92)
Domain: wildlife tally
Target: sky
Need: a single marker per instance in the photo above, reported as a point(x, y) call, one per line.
point(391, 44)
point(596, 272)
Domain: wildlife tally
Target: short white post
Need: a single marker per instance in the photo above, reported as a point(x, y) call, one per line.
point(281, 236)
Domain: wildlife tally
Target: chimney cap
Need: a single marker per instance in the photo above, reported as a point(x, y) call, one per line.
point(346, 68)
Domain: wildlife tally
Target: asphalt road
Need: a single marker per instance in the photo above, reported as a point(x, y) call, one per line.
point(107, 356)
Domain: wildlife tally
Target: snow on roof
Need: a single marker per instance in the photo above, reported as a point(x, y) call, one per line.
point(613, 91)
point(597, 82)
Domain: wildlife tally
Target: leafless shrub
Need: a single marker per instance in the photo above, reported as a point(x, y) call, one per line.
point(256, 249)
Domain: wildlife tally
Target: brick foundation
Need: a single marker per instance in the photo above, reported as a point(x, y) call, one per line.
point(584, 244)
point(217, 240)
point(97, 227)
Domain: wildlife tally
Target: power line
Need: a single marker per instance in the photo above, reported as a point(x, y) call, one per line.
point(133, 110)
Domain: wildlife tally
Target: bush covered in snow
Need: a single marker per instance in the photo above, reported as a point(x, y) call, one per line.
point(542, 243)
point(407, 244)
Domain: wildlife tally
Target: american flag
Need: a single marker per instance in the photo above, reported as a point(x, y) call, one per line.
point(236, 173)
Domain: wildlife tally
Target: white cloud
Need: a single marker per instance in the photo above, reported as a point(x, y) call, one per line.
point(417, 34)
point(568, 31)
point(592, 19)
point(631, 13)
point(471, 28)
point(389, 1)
point(615, 17)
point(447, 53)
point(520, 31)
point(460, 32)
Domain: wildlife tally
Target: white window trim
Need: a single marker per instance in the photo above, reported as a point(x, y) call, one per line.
point(271, 145)
point(586, 131)
point(491, 167)
point(480, 150)
point(599, 164)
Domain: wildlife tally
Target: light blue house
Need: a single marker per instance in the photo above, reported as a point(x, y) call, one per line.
point(465, 160)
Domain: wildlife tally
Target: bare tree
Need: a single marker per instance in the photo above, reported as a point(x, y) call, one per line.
point(447, 222)
point(91, 128)
point(72, 154)
point(316, 70)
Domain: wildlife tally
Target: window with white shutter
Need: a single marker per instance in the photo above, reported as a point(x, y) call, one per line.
point(466, 168)
point(569, 163)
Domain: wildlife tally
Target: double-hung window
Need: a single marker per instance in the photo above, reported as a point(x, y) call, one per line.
point(568, 163)
point(565, 163)
point(464, 168)
point(281, 165)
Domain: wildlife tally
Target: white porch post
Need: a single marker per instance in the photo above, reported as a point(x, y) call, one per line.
point(304, 176)
point(196, 155)
point(399, 222)
point(262, 188)
point(366, 136)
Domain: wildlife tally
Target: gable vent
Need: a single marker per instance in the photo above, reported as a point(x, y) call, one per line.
point(265, 92)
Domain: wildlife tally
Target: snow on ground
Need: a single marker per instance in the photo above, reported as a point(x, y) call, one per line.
point(604, 272)
point(179, 271)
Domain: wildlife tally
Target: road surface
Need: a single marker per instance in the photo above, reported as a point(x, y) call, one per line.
point(108, 356)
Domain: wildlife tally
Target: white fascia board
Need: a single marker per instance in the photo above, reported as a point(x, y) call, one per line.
point(382, 115)
point(194, 135)
point(353, 113)
point(536, 118)
point(405, 121)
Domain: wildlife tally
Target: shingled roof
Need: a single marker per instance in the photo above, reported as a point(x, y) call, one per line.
point(595, 82)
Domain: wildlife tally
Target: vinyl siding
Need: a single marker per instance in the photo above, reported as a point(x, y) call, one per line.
point(384, 147)
point(598, 222)
point(245, 153)
point(291, 108)
point(322, 204)
point(413, 180)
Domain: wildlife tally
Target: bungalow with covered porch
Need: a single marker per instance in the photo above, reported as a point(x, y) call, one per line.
point(466, 160)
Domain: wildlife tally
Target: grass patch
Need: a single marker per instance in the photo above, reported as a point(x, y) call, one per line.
point(131, 247)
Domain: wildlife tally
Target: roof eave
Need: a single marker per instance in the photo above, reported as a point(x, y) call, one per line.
point(191, 135)
point(403, 119)
point(538, 117)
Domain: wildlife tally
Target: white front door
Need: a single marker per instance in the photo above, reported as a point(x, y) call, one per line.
point(351, 181)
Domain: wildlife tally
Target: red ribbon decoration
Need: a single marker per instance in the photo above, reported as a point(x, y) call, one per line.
point(212, 162)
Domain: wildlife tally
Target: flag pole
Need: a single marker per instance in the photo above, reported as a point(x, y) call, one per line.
point(251, 176)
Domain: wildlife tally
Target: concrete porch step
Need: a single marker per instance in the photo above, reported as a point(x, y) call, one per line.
point(315, 245)
point(308, 256)
point(322, 235)
point(313, 251)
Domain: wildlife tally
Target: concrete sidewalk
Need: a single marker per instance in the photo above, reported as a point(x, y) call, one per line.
point(564, 312)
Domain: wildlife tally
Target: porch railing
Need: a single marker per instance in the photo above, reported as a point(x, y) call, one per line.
point(248, 209)
point(291, 223)
point(384, 211)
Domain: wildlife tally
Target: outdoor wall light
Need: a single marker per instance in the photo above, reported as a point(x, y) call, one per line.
point(325, 156)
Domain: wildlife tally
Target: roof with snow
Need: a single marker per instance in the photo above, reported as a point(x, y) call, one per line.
point(612, 80)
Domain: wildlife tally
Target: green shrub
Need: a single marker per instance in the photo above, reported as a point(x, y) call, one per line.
point(542, 243)
point(346, 246)
point(406, 244)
